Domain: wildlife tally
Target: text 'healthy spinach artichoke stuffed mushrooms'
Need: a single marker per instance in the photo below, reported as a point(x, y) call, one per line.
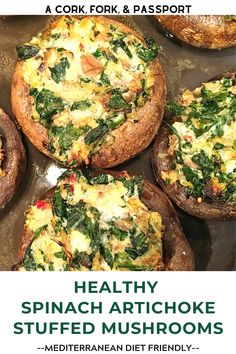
point(89, 90)
point(103, 221)
point(194, 156)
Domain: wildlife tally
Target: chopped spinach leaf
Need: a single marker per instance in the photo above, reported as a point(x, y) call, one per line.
point(85, 80)
point(134, 185)
point(98, 53)
point(217, 96)
point(192, 176)
point(60, 50)
point(58, 72)
point(105, 79)
point(76, 215)
point(139, 245)
point(167, 181)
point(96, 133)
point(77, 219)
point(61, 254)
point(80, 105)
point(120, 43)
point(47, 104)
point(82, 258)
point(101, 179)
point(149, 53)
point(117, 101)
point(178, 157)
point(206, 163)
point(187, 145)
point(134, 267)
point(38, 231)
point(175, 108)
point(107, 255)
point(51, 267)
point(106, 54)
point(59, 205)
point(65, 134)
point(27, 51)
point(56, 36)
point(218, 146)
point(226, 82)
point(121, 235)
point(29, 261)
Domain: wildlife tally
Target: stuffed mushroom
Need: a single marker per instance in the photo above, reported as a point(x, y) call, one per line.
point(89, 91)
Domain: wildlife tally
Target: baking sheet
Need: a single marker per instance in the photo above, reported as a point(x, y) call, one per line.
point(213, 243)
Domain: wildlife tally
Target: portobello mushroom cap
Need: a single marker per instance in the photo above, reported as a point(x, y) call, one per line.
point(177, 253)
point(162, 161)
point(212, 32)
point(14, 160)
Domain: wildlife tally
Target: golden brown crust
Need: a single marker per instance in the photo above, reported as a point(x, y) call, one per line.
point(14, 161)
point(211, 32)
point(162, 161)
point(130, 138)
point(178, 255)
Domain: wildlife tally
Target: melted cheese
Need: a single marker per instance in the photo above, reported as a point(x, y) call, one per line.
point(78, 241)
point(36, 217)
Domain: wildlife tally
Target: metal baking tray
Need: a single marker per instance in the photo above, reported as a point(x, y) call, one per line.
point(213, 242)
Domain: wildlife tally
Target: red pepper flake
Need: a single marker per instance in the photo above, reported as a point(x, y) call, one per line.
point(71, 188)
point(81, 46)
point(41, 204)
point(73, 177)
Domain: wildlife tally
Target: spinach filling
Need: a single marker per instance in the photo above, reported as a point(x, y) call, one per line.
point(119, 104)
point(88, 221)
point(209, 114)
